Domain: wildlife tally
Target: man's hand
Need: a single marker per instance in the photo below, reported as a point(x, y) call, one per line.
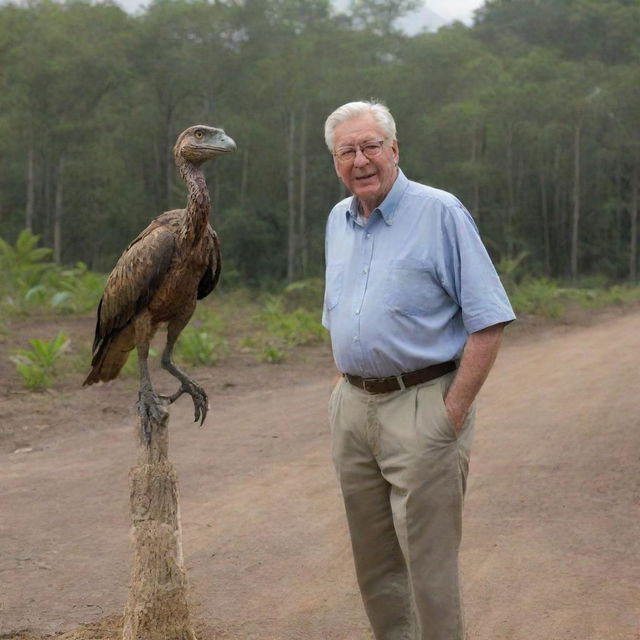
point(477, 359)
point(456, 414)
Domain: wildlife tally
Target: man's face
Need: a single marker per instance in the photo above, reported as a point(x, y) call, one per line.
point(369, 179)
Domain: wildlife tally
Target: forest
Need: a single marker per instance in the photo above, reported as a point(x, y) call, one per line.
point(531, 116)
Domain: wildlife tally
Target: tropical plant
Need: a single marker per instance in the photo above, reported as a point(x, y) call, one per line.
point(23, 263)
point(36, 366)
point(75, 290)
point(22, 266)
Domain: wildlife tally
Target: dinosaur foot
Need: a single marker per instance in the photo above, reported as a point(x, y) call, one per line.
point(151, 409)
point(198, 395)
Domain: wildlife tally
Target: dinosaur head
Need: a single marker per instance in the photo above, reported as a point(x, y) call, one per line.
point(199, 143)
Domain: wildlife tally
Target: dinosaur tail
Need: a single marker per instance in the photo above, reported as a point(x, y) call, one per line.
point(110, 356)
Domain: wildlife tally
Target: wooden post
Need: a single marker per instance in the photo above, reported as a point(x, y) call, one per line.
point(157, 604)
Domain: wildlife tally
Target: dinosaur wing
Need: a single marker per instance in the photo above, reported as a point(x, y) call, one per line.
point(135, 278)
point(211, 275)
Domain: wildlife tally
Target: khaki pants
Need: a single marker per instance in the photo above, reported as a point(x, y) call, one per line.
point(402, 470)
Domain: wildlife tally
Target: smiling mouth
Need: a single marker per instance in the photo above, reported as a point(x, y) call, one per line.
point(365, 177)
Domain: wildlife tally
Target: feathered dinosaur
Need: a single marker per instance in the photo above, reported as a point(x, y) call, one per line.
point(171, 264)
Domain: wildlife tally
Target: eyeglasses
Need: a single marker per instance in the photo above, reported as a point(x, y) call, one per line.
point(369, 149)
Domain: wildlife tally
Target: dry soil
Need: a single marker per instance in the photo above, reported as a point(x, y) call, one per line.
point(552, 524)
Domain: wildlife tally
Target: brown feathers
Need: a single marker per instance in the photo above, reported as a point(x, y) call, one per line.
point(161, 274)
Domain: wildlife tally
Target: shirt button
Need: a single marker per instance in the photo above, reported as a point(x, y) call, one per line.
point(355, 338)
point(357, 311)
point(368, 235)
point(365, 270)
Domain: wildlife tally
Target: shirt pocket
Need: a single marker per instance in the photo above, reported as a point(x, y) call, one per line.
point(333, 285)
point(411, 288)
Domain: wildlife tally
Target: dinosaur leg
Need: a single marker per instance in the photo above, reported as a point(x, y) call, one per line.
point(150, 406)
point(188, 385)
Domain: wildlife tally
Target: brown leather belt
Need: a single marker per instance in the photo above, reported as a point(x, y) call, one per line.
point(395, 383)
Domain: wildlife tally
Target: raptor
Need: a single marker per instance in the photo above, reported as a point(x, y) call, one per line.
point(173, 263)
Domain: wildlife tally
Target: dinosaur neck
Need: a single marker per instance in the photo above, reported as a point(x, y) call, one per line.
point(198, 204)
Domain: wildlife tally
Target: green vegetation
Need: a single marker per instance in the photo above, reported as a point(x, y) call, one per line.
point(271, 354)
point(275, 331)
point(37, 366)
point(198, 347)
point(548, 298)
point(32, 284)
point(237, 322)
point(298, 327)
point(23, 267)
point(537, 297)
point(530, 117)
point(542, 297)
point(23, 264)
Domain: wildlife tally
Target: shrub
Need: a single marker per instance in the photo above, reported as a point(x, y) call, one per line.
point(272, 354)
point(36, 366)
point(23, 264)
point(538, 297)
point(198, 347)
point(75, 290)
point(208, 318)
point(30, 282)
point(542, 297)
point(296, 328)
point(599, 298)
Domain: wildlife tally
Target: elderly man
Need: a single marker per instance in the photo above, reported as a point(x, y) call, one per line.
point(416, 312)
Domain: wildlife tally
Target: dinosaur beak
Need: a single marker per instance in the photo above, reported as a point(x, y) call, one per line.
point(222, 143)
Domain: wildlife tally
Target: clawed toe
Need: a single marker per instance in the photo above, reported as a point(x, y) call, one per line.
point(200, 402)
point(199, 397)
point(200, 406)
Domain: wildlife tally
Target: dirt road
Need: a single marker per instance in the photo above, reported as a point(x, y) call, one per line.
point(552, 532)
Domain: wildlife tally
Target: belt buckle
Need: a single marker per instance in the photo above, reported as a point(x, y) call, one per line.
point(365, 384)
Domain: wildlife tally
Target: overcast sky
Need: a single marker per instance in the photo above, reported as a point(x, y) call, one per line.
point(450, 10)
point(454, 9)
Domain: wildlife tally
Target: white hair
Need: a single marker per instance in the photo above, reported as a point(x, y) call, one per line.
point(378, 110)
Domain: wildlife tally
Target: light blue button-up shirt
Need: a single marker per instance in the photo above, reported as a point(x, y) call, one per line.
point(406, 287)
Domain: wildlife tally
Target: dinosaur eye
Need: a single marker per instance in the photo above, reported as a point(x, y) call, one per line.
point(199, 135)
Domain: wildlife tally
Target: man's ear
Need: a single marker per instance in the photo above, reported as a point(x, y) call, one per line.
point(396, 151)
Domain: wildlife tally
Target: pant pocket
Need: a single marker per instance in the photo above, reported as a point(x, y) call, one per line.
point(432, 419)
point(333, 402)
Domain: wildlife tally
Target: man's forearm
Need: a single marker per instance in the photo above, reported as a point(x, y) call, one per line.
point(477, 359)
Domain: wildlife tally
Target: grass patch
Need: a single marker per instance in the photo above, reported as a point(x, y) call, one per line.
point(199, 347)
point(276, 331)
point(272, 354)
point(543, 297)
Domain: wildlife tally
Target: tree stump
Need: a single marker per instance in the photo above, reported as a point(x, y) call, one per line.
point(157, 606)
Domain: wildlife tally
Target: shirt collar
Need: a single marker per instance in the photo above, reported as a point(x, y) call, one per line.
point(389, 205)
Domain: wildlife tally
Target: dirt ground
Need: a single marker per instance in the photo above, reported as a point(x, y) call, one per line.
point(552, 523)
